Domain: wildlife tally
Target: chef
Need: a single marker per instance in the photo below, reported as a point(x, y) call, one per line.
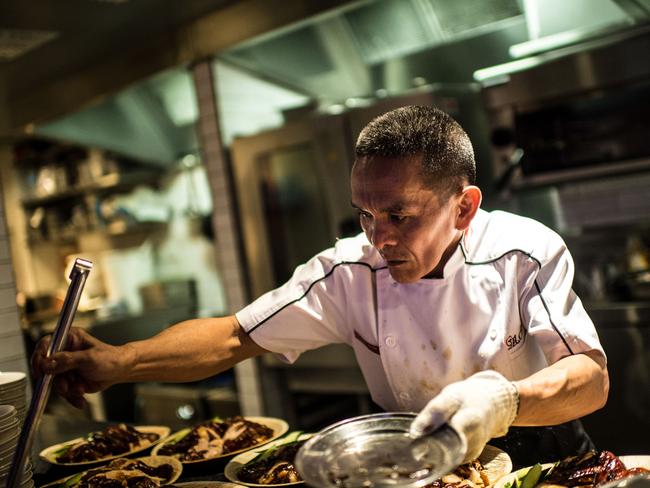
point(463, 315)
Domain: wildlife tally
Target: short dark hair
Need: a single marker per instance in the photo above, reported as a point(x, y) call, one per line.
point(447, 153)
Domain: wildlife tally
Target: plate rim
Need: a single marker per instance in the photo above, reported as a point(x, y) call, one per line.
point(636, 460)
point(495, 453)
point(283, 429)
point(162, 430)
point(236, 463)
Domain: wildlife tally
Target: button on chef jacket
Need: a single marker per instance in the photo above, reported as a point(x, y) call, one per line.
point(505, 303)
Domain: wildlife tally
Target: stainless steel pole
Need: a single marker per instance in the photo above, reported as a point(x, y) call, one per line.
point(78, 276)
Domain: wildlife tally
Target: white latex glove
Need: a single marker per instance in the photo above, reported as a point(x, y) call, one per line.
point(479, 408)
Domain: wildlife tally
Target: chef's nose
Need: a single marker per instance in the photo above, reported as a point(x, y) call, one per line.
point(381, 235)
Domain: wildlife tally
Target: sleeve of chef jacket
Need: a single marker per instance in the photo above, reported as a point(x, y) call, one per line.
point(551, 311)
point(305, 313)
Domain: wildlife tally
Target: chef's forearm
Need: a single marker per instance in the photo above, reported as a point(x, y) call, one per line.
point(189, 351)
point(571, 388)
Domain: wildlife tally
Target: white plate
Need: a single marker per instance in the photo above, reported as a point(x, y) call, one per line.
point(636, 461)
point(8, 424)
point(6, 411)
point(278, 426)
point(232, 468)
point(7, 379)
point(48, 454)
point(150, 460)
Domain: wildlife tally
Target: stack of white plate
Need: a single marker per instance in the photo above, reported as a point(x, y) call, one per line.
point(13, 392)
point(9, 433)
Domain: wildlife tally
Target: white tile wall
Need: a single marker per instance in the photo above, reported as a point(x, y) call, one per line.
point(6, 275)
point(15, 363)
point(7, 295)
point(11, 344)
point(12, 348)
point(9, 321)
point(4, 249)
point(230, 268)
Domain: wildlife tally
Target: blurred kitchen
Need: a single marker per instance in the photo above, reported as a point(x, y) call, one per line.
point(187, 148)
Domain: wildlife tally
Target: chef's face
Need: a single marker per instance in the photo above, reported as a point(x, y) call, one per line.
point(404, 219)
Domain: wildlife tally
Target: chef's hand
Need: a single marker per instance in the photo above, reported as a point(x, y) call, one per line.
point(479, 408)
point(87, 365)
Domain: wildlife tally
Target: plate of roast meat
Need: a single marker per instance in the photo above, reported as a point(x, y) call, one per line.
point(144, 472)
point(589, 470)
point(219, 438)
point(271, 464)
point(100, 446)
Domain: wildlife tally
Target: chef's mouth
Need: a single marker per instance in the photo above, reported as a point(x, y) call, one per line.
point(395, 262)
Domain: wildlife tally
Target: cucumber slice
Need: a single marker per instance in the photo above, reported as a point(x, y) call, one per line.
point(532, 477)
point(72, 481)
point(290, 438)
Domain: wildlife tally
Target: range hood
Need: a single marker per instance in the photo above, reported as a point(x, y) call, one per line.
point(385, 47)
point(346, 57)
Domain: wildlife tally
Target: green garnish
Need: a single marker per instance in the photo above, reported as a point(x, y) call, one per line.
point(178, 437)
point(287, 440)
point(532, 477)
point(73, 480)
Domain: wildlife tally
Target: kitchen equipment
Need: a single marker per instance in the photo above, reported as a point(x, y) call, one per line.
point(377, 451)
point(78, 276)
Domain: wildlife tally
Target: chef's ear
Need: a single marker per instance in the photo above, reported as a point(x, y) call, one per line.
point(468, 204)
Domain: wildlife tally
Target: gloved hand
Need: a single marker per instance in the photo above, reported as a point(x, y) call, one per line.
point(479, 408)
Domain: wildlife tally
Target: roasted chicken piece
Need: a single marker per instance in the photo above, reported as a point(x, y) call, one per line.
point(112, 441)
point(590, 470)
point(215, 438)
point(274, 469)
point(469, 475)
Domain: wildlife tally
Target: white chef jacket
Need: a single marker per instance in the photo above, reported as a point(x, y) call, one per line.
point(505, 303)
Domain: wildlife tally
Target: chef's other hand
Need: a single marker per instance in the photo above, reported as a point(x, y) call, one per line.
point(87, 365)
point(479, 408)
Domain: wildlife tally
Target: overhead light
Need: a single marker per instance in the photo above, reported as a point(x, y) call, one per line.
point(356, 102)
point(563, 39)
point(335, 109)
point(495, 75)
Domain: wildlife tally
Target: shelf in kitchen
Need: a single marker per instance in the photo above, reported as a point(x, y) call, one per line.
point(113, 230)
point(115, 182)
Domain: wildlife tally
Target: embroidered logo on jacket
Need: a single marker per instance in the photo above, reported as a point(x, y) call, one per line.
point(514, 340)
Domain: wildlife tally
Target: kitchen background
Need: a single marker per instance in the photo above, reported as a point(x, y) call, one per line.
point(185, 147)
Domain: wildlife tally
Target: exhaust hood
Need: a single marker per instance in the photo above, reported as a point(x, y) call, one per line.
point(347, 57)
point(381, 46)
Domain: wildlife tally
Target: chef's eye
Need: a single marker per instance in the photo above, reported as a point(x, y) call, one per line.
point(364, 215)
point(397, 218)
